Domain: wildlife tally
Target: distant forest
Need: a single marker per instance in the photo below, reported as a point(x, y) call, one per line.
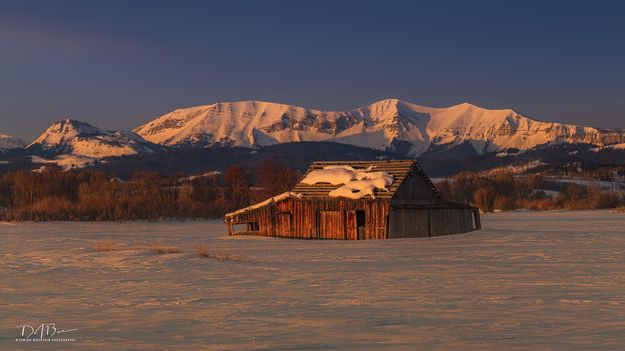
point(504, 191)
point(86, 195)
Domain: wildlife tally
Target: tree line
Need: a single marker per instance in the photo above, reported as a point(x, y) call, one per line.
point(504, 191)
point(84, 195)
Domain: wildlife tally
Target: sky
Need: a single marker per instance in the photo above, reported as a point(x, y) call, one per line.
point(119, 64)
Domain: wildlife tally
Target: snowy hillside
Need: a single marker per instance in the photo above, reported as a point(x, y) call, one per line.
point(8, 142)
point(385, 125)
point(82, 139)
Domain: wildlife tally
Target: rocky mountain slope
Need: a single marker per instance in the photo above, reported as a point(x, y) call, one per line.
point(391, 124)
point(82, 139)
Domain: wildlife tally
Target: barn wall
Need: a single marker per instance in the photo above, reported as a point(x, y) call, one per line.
point(351, 230)
point(307, 219)
point(414, 190)
point(434, 221)
point(302, 218)
point(409, 223)
point(316, 218)
point(418, 211)
point(328, 218)
point(446, 221)
point(332, 225)
point(263, 215)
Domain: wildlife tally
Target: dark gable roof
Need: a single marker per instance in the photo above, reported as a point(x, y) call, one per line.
point(397, 168)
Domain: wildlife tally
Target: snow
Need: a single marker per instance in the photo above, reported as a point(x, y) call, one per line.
point(258, 123)
point(616, 185)
point(196, 176)
point(508, 153)
point(66, 162)
point(335, 175)
point(441, 179)
point(276, 198)
point(357, 189)
point(612, 147)
point(519, 168)
point(617, 146)
point(84, 140)
point(8, 142)
point(355, 183)
point(547, 192)
point(528, 281)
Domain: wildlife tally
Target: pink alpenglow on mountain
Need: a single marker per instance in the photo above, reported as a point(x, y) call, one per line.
point(385, 125)
point(82, 139)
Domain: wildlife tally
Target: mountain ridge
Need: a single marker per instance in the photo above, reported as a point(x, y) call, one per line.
point(389, 124)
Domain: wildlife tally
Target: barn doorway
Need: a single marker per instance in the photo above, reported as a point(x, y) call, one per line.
point(360, 224)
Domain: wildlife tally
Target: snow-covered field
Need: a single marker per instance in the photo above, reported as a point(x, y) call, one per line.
point(528, 281)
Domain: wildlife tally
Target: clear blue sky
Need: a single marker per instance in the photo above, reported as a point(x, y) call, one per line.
point(118, 64)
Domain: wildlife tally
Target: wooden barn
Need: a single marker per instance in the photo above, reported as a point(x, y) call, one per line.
point(401, 203)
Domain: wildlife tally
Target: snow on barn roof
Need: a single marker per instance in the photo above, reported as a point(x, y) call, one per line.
point(397, 169)
point(355, 183)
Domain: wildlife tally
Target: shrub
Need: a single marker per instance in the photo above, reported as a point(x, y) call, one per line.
point(160, 249)
point(504, 203)
point(485, 199)
point(605, 200)
point(103, 245)
point(203, 250)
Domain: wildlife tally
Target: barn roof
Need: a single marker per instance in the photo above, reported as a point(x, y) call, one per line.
point(398, 169)
point(277, 198)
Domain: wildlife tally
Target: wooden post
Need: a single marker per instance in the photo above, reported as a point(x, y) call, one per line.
point(229, 225)
point(478, 221)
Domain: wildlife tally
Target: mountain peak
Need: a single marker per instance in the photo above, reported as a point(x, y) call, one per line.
point(79, 138)
point(391, 101)
point(70, 128)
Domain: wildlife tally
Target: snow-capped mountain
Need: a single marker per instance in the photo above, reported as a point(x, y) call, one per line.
point(82, 139)
point(385, 125)
point(8, 142)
